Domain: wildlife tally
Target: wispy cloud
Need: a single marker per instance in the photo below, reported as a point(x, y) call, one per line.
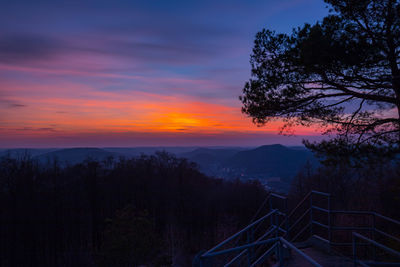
point(132, 69)
point(30, 129)
point(8, 103)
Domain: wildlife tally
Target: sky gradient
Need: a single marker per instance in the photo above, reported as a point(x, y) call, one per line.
point(136, 73)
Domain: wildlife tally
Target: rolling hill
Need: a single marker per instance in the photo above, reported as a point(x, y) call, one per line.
point(276, 160)
point(273, 165)
point(76, 155)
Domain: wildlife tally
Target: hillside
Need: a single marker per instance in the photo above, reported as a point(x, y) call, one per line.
point(276, 160)
point(21, 152)
point(209, 160)
point(137, 151)
point(273, 165)
point(76, 155)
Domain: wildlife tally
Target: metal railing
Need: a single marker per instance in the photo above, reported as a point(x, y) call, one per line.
point(309, 210)
point(278, 244)
point(373, 229)
point(298, 251)
point(280, 231)
point(250, 241)
point(358, 261)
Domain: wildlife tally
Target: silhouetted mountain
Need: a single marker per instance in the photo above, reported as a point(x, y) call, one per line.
point(297, 147)
point(137, 151)
point(210, 160)
point(76, 155)
point(21, 152)
point(276, 160)
point(209, 156)
point(273, 165)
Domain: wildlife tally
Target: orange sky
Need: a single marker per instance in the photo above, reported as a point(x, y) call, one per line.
point(132, 74)
point(48, 113)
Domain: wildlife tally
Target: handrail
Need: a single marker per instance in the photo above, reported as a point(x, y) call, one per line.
point(387, 218)
point(360, 212)
point(286, 220)
point(276, 224)
point(355, 212)
point(301, 231)
point(329, 211)
point(374, 228)
point(266, 200)
point(378, 263)
point(305, 198)
point(280, 213)
point(240, 232)
point(349, 228)
point(249, 245)
point(278, 196)
point(273, 228)
point(299, 219)
point(321, 193)
point(262, 257)
point(281, 241)
point(308, 258)
point(319, 208)
point(299, 204)
point(379, 245)
point(213, 252)
point(319, 224)
point(260, 208)
point(387, 235)
point(236, 258)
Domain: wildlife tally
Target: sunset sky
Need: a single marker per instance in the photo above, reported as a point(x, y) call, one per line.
point(135, 73)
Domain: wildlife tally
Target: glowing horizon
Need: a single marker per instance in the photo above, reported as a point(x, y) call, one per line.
point(119, 81)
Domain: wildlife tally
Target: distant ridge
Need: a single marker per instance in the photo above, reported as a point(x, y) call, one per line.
point(274, 165)
point(210, 155)
point(76, 155)
point(276, 160)
point(21, 152)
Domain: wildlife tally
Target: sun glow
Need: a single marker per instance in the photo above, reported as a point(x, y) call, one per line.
point(66, 109)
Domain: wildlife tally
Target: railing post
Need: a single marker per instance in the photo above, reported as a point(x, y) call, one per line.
point(311, 215)
point(280, 245)
point(373, 235)
point(329, 222)
point(276, 223)
point(354, 250)
point(250, 238)
point(287, 219)
point(270, 209)
point(276, 233)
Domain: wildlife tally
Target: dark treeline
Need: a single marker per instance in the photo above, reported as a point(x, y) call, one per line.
point(157, 210)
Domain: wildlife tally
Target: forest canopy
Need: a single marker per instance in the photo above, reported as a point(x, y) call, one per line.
point(94, 213)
